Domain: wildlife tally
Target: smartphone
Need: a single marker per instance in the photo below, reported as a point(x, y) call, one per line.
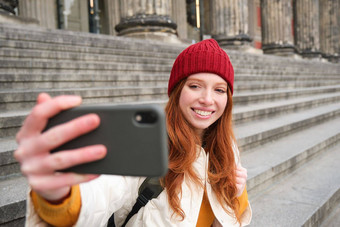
point(135, 137)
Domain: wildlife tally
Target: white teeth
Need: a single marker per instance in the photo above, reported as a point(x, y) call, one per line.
point(203, 113)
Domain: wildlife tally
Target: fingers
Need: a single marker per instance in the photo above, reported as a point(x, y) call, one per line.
point(241, 172)
point(45, 109)
point(241, 179)
point(61, 160)
point(43, 97)
point(33, 152)
point(56, 136)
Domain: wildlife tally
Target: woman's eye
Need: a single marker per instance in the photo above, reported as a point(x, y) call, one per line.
point(220, 90)
point(193, 86)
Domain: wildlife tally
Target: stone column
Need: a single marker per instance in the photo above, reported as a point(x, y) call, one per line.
point(9, 15)
point(8, 6)
point(230, 22)
point(306, 29)
point(277, 35)
point(330, 29)
point(112, 16)
point(179, 15)
point(147, 19)
point(42, 10)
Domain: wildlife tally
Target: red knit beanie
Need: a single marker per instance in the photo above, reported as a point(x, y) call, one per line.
point(205, 56)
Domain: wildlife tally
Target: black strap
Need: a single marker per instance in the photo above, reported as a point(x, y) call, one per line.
point(142, 200)
point(149, 189)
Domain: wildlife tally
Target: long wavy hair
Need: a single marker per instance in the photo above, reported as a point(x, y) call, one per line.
point(218, 141)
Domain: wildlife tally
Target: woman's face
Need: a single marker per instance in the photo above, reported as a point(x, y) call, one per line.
point(203, 100)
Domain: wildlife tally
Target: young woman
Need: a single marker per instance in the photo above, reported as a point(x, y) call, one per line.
point(205, 184)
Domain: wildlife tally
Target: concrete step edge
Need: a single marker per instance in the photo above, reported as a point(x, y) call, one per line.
point(274, 170)
point(322, 212)
point(256, 112)
point(13, 199)
point(68, 64)
point(277, 129)
point(67, 55)
point(296, 197)
point(239, 79)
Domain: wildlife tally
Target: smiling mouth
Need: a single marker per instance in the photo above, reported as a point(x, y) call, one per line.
point(203, 113)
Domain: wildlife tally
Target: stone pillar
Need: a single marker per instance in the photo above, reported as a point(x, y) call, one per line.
point(42, 10)
point(330, 29)
point(8, 6)
point(230, 22)
point(306, 29)
point(179, 15)
point(277, 35)
point(147, 19)
point(112, 16)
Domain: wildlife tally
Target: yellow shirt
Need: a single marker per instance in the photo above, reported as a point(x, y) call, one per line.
point(206, 216)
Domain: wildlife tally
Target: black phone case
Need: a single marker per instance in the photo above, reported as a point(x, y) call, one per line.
point(135, 137)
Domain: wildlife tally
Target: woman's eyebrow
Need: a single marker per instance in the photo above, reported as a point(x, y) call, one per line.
point(222, 83)
point(194, 80)
point(202, 81)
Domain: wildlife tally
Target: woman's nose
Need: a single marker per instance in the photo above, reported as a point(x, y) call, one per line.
point(206, 98)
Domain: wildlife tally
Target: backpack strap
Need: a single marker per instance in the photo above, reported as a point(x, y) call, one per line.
point(149, 189)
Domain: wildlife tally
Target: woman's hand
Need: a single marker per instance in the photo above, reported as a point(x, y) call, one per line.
point(33, 152)
point(241, 179)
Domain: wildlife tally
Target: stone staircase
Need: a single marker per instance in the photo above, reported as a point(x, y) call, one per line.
point(286, 113)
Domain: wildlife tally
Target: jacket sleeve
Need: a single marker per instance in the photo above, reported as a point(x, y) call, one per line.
point(103, 196)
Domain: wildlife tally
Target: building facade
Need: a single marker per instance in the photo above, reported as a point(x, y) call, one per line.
point(309, 28)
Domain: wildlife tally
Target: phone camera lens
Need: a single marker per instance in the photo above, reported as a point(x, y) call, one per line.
point(146, 117)
point(139, 118)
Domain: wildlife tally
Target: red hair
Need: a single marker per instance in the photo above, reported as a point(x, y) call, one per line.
point(218, 139)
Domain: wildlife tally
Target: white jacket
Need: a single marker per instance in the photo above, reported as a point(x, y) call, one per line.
point(108, 194)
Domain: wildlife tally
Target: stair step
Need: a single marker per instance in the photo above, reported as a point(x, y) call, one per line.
point(251, 78)
point(240, 86)
point(8, 165)
point(12, 80)
point(246, 98)
point(255, 111)
point(257, 133)
point(39, 65)
point(26, 99)
point(29, 81)
point(13, 199)
point(333, 218)
point(79, 65)
point(10, 121)
point(101, 82)
point(30, 48)
point(269, 163)
point(304, 194)
point(65, 54)
point(15, 54)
